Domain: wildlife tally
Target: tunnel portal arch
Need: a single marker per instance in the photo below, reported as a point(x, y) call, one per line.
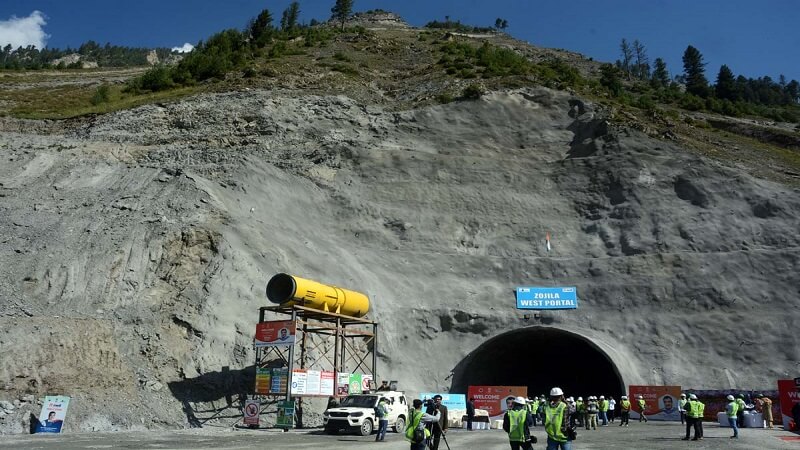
point(540, 358)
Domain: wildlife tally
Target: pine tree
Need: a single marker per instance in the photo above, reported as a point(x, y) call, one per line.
point(609, 77)
point(642, 69)
point(290, 17)
point(726, 85)
point(660, 74)
point(260, 28)
point(694, 68)
point(627, 56)
point(342, 10)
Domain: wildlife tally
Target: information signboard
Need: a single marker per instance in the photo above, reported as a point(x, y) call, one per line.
point(529, 297)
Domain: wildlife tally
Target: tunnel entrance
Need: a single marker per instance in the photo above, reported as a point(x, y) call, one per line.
point(540, 358)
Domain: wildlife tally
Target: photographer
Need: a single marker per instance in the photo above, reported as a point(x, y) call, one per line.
point(517, 422)
point(416, 432)
point(439, 428)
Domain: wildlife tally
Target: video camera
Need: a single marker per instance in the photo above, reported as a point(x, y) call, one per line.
point(430, 406)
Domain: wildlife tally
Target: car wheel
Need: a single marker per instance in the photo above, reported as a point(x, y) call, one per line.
point(366, 427)
point(400, 425)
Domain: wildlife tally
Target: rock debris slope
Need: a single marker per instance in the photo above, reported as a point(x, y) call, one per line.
point(135, 249)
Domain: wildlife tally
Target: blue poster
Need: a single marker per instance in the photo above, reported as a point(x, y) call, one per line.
point(547, 298)
point(54, 411)
point(451, 401)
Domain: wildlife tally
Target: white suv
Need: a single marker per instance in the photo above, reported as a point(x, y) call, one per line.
point(357, 412)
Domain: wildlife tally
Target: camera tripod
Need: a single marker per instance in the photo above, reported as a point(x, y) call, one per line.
point(430, 439)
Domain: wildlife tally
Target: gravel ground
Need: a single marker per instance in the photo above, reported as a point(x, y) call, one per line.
point(651, 436)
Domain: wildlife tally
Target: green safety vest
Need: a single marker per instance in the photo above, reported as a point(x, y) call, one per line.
point(413, 424)
point(642, 404)
point(682, 403)
point(740, 404)
point(625, 405)
point(603, 405)
point(554, 418)
point(516, 424)
point(695, 409)
point(535, 406)
point(735, 409)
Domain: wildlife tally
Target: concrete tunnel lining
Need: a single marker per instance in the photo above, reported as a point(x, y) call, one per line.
point(541, 357)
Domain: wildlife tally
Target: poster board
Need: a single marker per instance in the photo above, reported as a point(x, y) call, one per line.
point(789, 395)
point(275, 333)
point(285, 414)
point(326, 383)
point(279, 381)
point(661, 402)
point(451, 401)
point(251, 411)
point(493, 398)
point(299, 381)
point(342, 383)
point(263, 380)
point(355, 384)
point(54, 411)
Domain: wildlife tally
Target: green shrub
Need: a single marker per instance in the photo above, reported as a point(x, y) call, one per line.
point(345, 69)
point(339, 56)
point(444, 98)
point(472, 92)
point(692, 102)
point(101, 95)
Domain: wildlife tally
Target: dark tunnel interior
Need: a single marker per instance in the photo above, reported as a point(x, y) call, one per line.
point(540, 358)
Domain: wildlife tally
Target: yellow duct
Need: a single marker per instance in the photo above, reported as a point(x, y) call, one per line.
point(286, 290)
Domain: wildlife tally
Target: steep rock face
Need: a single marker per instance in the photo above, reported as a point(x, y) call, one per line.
point(160, 226)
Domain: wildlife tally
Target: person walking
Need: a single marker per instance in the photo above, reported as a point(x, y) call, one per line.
point(382, 414)
point(612, 405)
point(624, 410)
point(533, 408)
point(642, 406)
point(439, 428)
point(694, 418)
point(580, 411)
point(603, 405)
point(766, 409)
point(517, 422)
point(555, 422)
point(470, 413)
point(591, 413)
point(740, 411)
point(731, 410)
point(682, 408)
point(416, 431)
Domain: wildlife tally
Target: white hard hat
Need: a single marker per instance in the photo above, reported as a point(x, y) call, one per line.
point(683, 395)
point(624, 397)
point(519, 400)
point(580, 399)
point(640, 397)
point(602, 398)
point(729, 397)
point(556, 391)
point(571, 399)
point(693, 397)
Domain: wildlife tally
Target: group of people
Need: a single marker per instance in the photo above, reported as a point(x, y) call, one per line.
point(561, 415)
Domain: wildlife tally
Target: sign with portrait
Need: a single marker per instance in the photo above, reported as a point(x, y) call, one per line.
point(54, 411)
point(661, 402)
point(275, 333)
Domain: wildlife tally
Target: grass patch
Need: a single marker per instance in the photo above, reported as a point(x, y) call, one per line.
point(74, 101)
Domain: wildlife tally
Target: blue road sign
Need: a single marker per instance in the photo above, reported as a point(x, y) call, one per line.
point(547, 298)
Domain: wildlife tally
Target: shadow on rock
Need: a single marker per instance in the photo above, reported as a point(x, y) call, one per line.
point(209, 395)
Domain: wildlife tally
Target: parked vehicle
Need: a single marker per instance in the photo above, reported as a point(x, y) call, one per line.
point(357, 413)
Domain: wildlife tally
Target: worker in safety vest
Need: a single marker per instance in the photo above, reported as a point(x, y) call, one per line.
point(731, 410)
point(740, 411)
point(642, 405)
point(694, 418)
point(555, 422)
point(516, 423)
point(603, 404)
point(530, 405)
point(624, 410)
point(416, 432)
point(580, 411)
point(535, 410)
point(682, 408)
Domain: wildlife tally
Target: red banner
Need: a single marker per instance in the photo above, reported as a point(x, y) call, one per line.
point(274, 333)
point(661, 402)
point(493, 398)
point(789, 396)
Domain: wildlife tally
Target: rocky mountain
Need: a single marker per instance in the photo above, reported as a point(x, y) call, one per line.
point(136, 247)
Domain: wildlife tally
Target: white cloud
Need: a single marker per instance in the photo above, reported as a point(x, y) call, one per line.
point(186, 48)
point(24, 31)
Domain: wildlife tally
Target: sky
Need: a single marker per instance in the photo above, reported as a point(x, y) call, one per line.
point(754, 38)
